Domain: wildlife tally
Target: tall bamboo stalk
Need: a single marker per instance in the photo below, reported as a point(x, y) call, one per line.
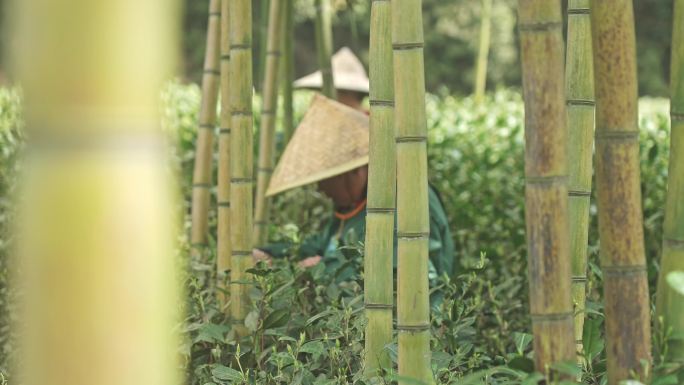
point(413, 222)
point(241, 167)
point(673, 232)
point(546, 203)
point(96, 236)
point(628, 336)
point(223, 178)
point(579, 91)
point(201, 177)
point(378, 286)
point(268, 119)
point(288, 69)
point(324, 46)
point(483, 53)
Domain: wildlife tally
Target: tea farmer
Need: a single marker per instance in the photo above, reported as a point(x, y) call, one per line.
point(330, 148)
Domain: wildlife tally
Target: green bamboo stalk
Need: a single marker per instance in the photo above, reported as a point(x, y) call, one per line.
point(483, 53)
point(628, 336)
point(673, 231)
point(579, 91)
point(241, 166)
point(546, 203)
point(223, 178)
point(268, 119)
point(96, 229)
point(288, 70)
point(413, 222)
point(324, 46)
point(201, 178)
point(379, 291)
point(262, 34)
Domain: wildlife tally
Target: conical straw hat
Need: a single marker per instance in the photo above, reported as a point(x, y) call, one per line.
point(348, 74)
point(331, 139)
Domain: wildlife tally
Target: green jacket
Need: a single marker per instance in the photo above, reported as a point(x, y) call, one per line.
point(337, 233)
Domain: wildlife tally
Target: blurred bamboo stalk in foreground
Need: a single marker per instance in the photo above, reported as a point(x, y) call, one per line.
point(579, 92)
point(201, 177)
point(223, 251)
point(96, 204)
point(268, 119)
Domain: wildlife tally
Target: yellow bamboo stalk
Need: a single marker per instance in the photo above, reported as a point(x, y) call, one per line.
point(324, 46)
point(628, 335)
point(579, 91)
point(413, 222)
point(223, 251)
point(483, 52)
point(268, 119)
point(669, 306)
point(201, 177)
point(241, 167)
point(378, 279)
point(96, 232)
point(288, 70)
point(546, 202)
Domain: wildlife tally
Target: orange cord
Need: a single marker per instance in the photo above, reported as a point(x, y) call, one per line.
point(351, 214)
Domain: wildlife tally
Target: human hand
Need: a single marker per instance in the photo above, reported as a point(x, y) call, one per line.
point(310, 262)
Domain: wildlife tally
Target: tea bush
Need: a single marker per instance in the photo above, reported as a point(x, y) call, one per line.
point(307, 326)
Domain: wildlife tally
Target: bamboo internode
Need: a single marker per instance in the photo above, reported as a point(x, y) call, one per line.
point(628, 336)
point(413, 222)
point(288, 69)
point(379, 293)
point(546, 202)
point(483, 51)
point(241, 167)
point(579, 91)
point(324, 46)
point(268, 119)
point(223, 252)
point(670, 304)
point(202, 178)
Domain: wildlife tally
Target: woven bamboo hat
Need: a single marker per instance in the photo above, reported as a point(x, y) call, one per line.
point(348, 74)
point(331, 139)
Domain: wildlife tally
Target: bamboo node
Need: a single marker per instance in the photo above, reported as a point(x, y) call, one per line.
point(198, 245)
point(224, 131)
point(413, 328)
point(579, 342)
point(579, 193)
point(368, 305)
point(223, 204)
point(675, 115)
point(225, 56)
point(579, 278)
point(581, 102)
point(407, 46)
point(674, 243)
point(201, 185)
point(579, 11)
point(241, 253)
point(209, 71)
point(408, 139)
point(540, 27)
point(381, 103)
point(274, 53)
point(244, 47)
point(207, 126)
point(413, 236)
point(623, 271)
point(241, 180)
point(380, 210)
point(267, 112)
point(552, 317)
point(241, 113)
point(214, 14)
point(617, 136)
point(380, 1)
point(546, 180)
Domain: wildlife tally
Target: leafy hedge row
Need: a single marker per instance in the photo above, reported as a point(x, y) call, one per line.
point(308, 328)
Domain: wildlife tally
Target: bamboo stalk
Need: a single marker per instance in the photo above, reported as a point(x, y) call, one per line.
point(201, 178)
point(96, 229)
point(288, 70)
point(413, 222)
point(379, 291)
point(628, 337)
point(268, 118)
point(579, 91)
point(223, 251)
point(483, 53)
point(546, 203)
point(324, 46)
point(241, 167)
point(673, 232)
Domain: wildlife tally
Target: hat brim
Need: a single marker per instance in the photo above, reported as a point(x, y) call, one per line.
point(342, 82)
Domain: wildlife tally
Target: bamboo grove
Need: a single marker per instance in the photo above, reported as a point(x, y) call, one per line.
point(598, 90)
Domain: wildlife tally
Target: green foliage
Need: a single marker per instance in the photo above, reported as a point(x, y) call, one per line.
point(307, 326)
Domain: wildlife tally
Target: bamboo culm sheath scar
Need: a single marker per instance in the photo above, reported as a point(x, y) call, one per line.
point(628, 336)
point(379, 291)
point(546, 192)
